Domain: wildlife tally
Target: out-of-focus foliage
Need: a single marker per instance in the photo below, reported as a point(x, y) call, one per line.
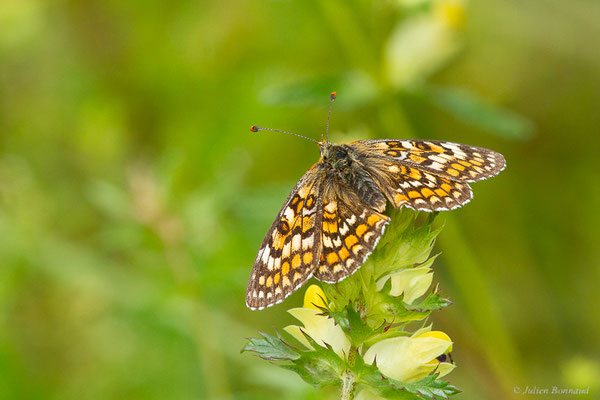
point(133, 197)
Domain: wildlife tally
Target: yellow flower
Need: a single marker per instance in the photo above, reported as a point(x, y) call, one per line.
point(413, 282)
point(409, 359)
point(320, 328)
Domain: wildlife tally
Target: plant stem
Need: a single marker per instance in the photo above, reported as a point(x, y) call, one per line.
point(348, 388)
point(348, 385)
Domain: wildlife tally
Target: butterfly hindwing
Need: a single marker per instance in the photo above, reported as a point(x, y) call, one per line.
point(290, 251)
point(417, 189)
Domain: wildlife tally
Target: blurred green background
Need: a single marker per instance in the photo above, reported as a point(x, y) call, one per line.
point(133, 198)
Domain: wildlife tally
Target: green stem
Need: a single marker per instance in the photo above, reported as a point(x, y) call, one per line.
point(348, 389)
point(348, 385)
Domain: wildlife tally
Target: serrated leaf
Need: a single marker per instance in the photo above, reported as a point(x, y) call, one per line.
point(353, 325)
point(271, 348)
point(341, 293)
point(432, 302)
point(402, 249)
point(320, 367)
point(315, 371)
point(393, 307)
point(429, 388)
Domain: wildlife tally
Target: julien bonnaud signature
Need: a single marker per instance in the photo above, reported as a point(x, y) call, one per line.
point(550, 390)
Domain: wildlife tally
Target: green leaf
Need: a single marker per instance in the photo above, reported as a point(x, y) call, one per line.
point(415, 311)
point(432, 302)
point(315, 370)
point(320, 367)
point(342, 293)
point(271, 348)
point(402, 246)
point(429, 388)
point(387, 307)
point(355, 327)
point(367, 374)
point(474, 111)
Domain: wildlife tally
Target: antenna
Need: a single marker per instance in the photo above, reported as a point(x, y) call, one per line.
point(255, 128)
point(332, 97)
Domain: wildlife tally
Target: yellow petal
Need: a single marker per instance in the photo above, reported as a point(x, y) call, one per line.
point(321, 329)
point(421, 372)
point(406, 358)
point(315, 298)
point(439, 335)
point(294, 330)
point(445, 368)
point(422, 330)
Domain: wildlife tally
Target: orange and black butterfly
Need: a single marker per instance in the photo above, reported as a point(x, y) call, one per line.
point(333, 218)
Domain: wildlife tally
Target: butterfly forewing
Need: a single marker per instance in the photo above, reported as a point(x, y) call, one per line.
point(454, 161)
point(291, 248)
point(350, 233)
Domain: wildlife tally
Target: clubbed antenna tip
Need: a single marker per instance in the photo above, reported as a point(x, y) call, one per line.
point(332, 97)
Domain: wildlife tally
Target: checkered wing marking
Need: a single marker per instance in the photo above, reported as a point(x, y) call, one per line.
point(350, 232)
point(417, 189)
point(423, 191)
point(454, 161)
point(290, 251)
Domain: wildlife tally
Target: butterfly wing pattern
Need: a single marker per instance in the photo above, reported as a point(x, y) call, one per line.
point(350, 233)
point(427, 175)
point(292, 245)
point(333, 218)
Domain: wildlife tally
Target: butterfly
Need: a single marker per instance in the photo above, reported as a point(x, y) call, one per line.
point(333, 217)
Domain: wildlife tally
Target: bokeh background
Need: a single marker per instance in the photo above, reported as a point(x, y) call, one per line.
point(133, 196)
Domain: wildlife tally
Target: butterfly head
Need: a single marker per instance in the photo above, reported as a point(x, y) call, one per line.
point(336, 155)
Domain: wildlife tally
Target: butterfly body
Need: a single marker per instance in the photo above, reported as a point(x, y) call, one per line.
point(344, 164)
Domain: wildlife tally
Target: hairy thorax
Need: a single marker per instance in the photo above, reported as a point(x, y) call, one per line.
point(348, 169)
